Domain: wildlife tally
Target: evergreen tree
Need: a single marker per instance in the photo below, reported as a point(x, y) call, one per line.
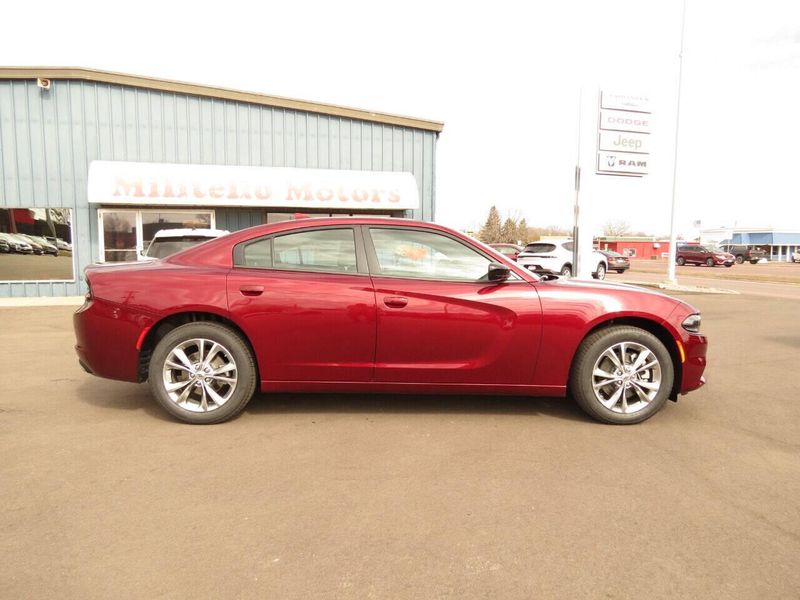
point(522, 232)
point(490, 232)
point(508, 232)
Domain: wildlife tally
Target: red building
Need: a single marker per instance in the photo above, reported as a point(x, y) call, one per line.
point(635, 247)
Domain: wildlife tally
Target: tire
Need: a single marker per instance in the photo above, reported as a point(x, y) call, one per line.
point(739, 259)
point(754, 262)
point(681, 261)
point(566, 271)
point(620, 271)
point(730, 265)
point(210, 399)
point(600, 273)
point(709, 262)
point(593, 354)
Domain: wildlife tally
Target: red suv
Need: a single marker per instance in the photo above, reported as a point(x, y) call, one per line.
point(694, 254)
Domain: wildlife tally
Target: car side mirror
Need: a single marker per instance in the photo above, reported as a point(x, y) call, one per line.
point(498, 273)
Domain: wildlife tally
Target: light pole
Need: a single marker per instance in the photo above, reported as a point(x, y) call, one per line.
point(671, 278)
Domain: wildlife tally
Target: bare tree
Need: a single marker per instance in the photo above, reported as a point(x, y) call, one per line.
point(616, 228)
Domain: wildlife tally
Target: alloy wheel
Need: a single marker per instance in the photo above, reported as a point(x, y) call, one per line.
point(200, 375)
point(626, 377)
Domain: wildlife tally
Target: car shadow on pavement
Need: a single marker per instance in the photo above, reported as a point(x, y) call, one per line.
point(120, 396)
point(287, 403)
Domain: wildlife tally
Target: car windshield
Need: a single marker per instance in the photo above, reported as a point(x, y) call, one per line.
point(163, 247)
point(539, 247)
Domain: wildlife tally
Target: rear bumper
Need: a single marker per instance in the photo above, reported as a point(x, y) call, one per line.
point(105, 340)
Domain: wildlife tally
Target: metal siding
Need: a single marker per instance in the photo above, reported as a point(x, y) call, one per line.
point(48, 139)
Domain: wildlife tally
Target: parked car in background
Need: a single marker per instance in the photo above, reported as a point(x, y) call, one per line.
point(17, 244)
point(509, 250)
point(4, 247)
point(744, 253)
point(378, 305)
point(169, 241)
point(556, 257)
point(60, 244)
point(616, 261)
point(796, 256)
point(695, 254)
point(47, 247)
point(37, 248)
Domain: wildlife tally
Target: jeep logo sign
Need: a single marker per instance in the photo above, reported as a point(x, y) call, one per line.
point(623, 136)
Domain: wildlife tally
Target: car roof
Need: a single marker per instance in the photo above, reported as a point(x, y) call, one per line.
point(199, 232)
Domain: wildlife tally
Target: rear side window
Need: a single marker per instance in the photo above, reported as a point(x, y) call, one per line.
point(331, 250)
point(539, 248)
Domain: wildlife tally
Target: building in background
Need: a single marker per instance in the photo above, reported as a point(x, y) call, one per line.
point(117, 157)
point(635, 247)
point(778, 243)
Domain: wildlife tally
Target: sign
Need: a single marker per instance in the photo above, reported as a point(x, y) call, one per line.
point(624, 102)
point(623, 135)
point(623, 120)
point(165, 184)
point(622, 163)
point(624, 141)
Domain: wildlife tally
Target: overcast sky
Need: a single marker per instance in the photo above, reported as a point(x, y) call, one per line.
point(505, 79)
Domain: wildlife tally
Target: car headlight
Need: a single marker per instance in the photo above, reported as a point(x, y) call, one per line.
point(692, 323)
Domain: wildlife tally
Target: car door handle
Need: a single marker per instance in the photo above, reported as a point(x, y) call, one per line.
point(251, 290)
point(395, 301)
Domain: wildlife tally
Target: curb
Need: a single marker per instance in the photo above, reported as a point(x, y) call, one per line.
point(690, 289)
point(41, 301)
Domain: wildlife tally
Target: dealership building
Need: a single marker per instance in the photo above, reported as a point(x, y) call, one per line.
point(102, 161)
point(779, 244)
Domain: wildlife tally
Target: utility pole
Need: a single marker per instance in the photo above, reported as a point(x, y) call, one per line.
point(671, 278)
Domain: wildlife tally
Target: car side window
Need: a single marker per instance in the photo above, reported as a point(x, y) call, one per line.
point(426, 255)
point(330, 250)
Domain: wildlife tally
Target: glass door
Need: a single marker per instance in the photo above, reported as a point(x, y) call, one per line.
point(119, 235)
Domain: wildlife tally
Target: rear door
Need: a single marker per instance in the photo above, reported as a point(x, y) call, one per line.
point(306, 301)
point(440, 320)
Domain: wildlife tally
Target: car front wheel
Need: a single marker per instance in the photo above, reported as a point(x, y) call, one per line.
point(566, 271)
point(202, 373)
point(621, 375)
point(739, 259)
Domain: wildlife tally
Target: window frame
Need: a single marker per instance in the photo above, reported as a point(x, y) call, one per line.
point(361, 257)
point(375, 268)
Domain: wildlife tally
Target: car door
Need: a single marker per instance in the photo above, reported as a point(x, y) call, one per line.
point(440, 320)
point(306, 301)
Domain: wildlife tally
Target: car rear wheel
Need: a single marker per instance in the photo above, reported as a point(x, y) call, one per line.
point(709, 262)
point(202, 373)
point(739, 259)
point(566, 271)
point(681, 261)
point(600, 273)
point(621, 375)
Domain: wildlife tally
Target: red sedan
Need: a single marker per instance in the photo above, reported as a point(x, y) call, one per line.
point(379, 305)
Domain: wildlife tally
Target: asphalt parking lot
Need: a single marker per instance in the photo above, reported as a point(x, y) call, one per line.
point(339, 496)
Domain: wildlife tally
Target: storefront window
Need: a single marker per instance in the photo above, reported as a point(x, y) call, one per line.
point(156, 221)
point(36, 244)
point(126, 233)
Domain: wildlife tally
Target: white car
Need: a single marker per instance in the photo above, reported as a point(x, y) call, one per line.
point(796, 256)
point(556, 256)
point(169, 241)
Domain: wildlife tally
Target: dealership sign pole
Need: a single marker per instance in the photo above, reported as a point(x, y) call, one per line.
point(622, 150)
